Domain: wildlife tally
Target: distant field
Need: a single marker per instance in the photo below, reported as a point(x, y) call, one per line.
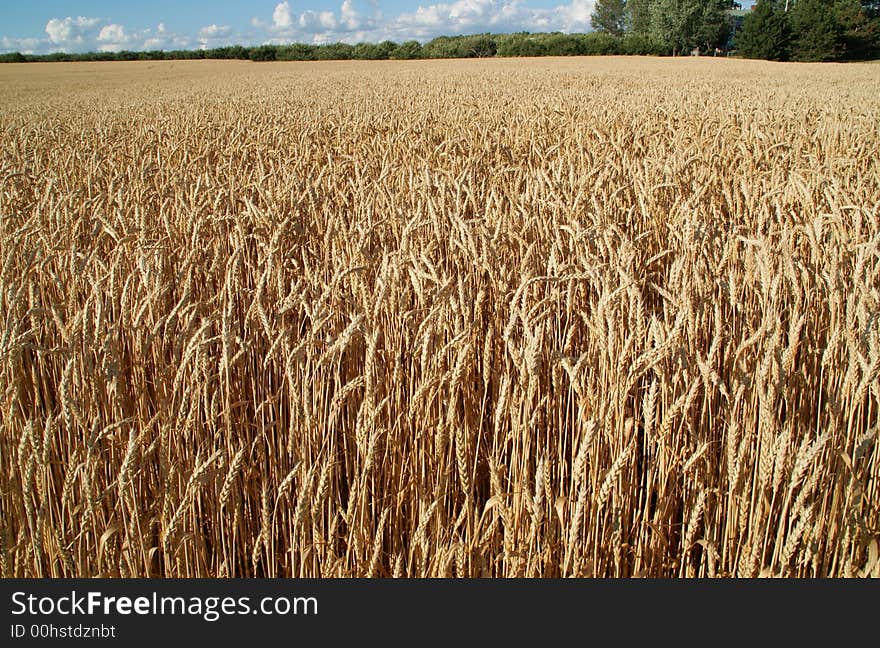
point(521, 317)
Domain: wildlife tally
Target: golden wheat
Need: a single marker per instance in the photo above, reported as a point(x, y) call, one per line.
point(556, 317)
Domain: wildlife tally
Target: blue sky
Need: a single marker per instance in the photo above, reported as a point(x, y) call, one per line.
point(102, 25)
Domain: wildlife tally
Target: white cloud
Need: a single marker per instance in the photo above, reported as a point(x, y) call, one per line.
point(577, 13)
point(465, 16)
point(215, 36)
point(84, 34)
point(349, 15)
point(319, 26)
point(112, 34)
point(62, 31)
point(214, 31)
point(162, 41)
point(353, 21)
point(281, 17)
point(353, 24)
point(313, 21)
point(23, 45)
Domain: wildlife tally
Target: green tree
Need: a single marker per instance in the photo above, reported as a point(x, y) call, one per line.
point(640, 44)
point(153, 55)
point(765, 33)
point(440, 47)
point(294, 52)
point(674, 23)
point(333, 52)
point(481, 46)
point(264, 53)
point(12, 57)
point(680, 25)
point(475, 46)
point(387, 49)
point(817, 36)
point(411, 49)
point(860, 32)
point(610, 16)
point(367, 51)
point(521, 44)
point(230, 52)
point(558, 44)
point(599, 44)
point(714, 24)
point(374, 51)
point(639, 15)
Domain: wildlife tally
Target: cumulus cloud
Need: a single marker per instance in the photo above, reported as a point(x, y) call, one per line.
point(215, 31)
point(162, 40)
point(113, 38)
point(577, 13)
point(351, 21)
point(112, 34)
point(282, 17)
point(159, 38)
point(465, 16)
point(89, 34)
point(314, 21)
point(349, 15)
point(23, 45)
point(215, 36)
point(288, 26)
point(62, 31)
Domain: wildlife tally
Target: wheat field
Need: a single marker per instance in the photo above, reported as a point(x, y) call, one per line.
point(508, 318)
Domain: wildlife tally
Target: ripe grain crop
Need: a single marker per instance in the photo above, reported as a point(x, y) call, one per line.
point(604, 317)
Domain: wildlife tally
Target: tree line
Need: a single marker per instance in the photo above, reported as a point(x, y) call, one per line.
point(800, 30)
point(780, 30)
point(812, 30)
point(469, 46)
point(678, 26)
